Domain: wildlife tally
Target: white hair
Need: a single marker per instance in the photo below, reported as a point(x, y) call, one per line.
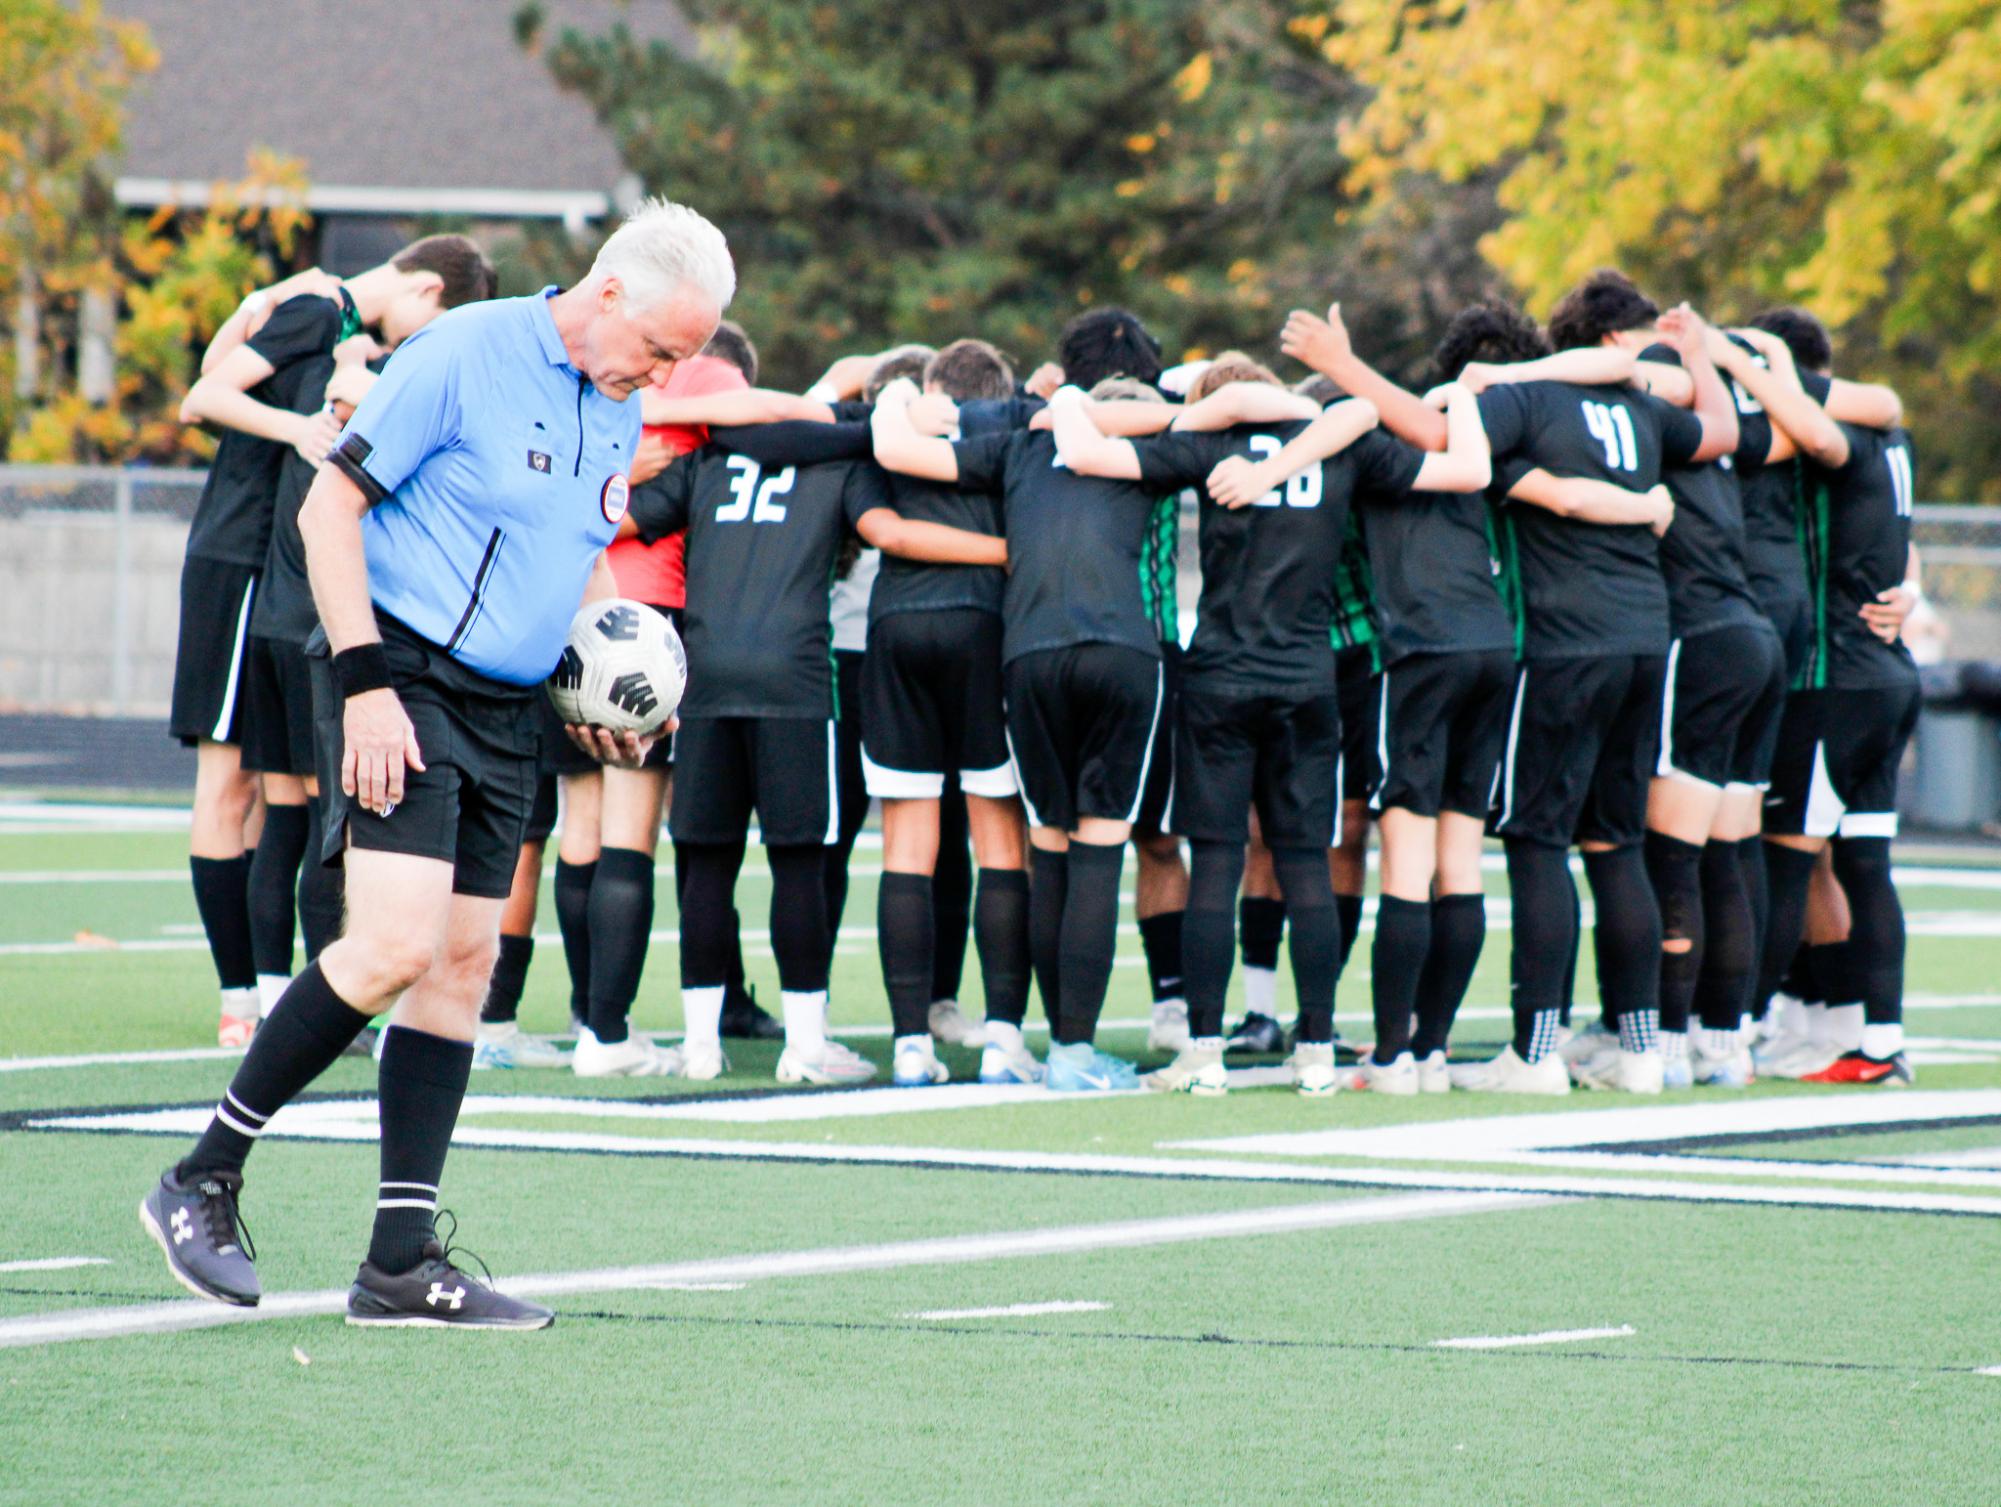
point(663, 245)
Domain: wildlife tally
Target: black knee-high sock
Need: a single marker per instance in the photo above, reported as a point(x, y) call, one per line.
point(319, 888)
point(707, 874)
point(1674, 868)
point(271, 883)
point(1262, 922)
point(222, 896)
point(1876, 933)
point(1751, 864)
point(1160, 939)
point(620, 919)
point(1570, 967)
point(1626, 942)
point(510, 977)
point(1396, 968)
point(1827, 970)
point(1729, 945)
point(1000, 930)
point(905, 936)
point(799, 916)
point(951, 898)
point(1215, 869)
point(1090, 937)
point(1048, 893)
point(308, 1028)
point(1458, 932)
point(573, 920)
point(1349, 909)
point(1543, 897)
point(421, 1082)
point(1788, 873)
point(1314, 942)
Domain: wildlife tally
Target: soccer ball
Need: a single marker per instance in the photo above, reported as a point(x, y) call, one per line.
point(623, 668)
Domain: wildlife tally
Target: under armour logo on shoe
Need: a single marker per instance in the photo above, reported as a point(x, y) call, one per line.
point(438, 1295)
point(183, 1225)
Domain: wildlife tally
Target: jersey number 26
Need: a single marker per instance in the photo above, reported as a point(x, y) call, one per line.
point(1302, 491)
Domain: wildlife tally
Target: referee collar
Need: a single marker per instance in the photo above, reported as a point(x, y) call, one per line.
point(545, 331)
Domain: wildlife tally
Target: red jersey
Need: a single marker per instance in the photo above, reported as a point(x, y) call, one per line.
point(657, 573)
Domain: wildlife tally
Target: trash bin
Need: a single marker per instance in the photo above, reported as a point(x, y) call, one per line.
point(1954, 783)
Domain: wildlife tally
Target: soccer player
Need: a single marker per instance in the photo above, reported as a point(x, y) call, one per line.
point(446, 561)
point(249, 390)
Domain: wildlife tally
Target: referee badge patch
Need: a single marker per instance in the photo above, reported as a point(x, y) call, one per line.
point(613, 499)
point(538, 461)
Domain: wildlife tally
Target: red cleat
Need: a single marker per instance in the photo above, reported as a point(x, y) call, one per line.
point(1855, 1067)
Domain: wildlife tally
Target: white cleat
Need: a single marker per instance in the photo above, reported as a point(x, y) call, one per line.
point(1510, 1074)
point(503, 1044)
point(1313, 1070)
point(829, 1062)
point(1196, 1069)
point(1433, 1076)
point(1802, 1059)
point(1168, 1030)
point(1007, 1058)
point(703, 1061)
point(1732, 1070)
point(1582, 1046)
point(1624, 1072)
point(915, 1063)
point(637, 1056)
point(948, 1024)
point(1397, 1077)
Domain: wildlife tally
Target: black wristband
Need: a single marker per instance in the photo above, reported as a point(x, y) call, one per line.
point(365, 667)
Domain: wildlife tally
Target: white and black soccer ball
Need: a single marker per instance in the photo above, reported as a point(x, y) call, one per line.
point(623, 668)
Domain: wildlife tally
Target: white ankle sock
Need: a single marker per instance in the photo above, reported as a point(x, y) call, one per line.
point(240, 1004)
point(1261, 991)
point(1882, 1042)
point(805, 1018)
point(1004, 1034)
point(702, 1016)
point(270, 989)
point(1844, 1026)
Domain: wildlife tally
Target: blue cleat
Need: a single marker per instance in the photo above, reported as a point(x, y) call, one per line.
point(1082, 1068)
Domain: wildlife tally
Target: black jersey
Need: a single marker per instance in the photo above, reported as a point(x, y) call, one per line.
point(1076, 546)
point(284, 608)
point(1857, 523)
point(1586, 588)
point(232, 520)
point(1432, 569)
point(1270, 614)
point(763, 536)
point(1774, 557)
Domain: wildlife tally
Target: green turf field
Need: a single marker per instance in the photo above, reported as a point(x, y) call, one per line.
point(988, 1296)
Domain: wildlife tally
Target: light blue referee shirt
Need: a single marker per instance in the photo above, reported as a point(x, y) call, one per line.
point(497, 474)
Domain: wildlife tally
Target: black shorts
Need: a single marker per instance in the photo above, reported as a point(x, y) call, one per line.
point(1442, 721)
point(208, 656)
point(787, 769)
point(1159, 787)
point(542, 814)
point(1583, 738)
point(1279, 751)
point(1082, 723)
point(931, 706)
point(1790, 612)
point(277, 696)
point(1836, 770)
point(470, 804)
point(562, 757)
point(1720, 705)
point(1360, 687)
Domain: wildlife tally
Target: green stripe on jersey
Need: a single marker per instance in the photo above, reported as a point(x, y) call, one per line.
point(1159, 563)
point(1507, 567)
point(1354, 595)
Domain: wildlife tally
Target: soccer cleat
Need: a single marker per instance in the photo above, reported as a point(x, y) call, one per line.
point(1168, 1030)
point(1594, 1041)
point(1006, 1058)
point(1804, 1058)
point(1433, 1076)
point(234, 1033)
point(1082, 1068)
point(200, 1230)
point(503, 1044)
point(1859, 1067)
point(1731, 1071)
point(1312, 1067)
point(436, 1294)
point(1258, 1034)
point(1623, 1072)
point(635, 1057)
point(830, 1062)
point(743, 1019)
point(1509, 1073)
point(1677, 1072)
point(915, 1063)
point(703, 1061)
point(1397, 1077)
point(1196, 1069)
point(948, 1023)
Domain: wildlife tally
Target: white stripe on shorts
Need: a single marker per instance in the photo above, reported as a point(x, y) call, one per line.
point(221, 733)
point(1665, 766)
point(1152, 729)
point(1507, 771)
point(833, 784)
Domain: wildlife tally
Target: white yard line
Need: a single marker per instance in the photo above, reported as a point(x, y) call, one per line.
point(1008, 1311)
point(1547, 1337)
point(53, 1263)
point(1285, 1219)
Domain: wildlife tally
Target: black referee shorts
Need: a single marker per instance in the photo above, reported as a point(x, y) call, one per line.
point(1081, 727)
point(786, 769)
point(931, 705)
point(1583, 738)
point(480, 740)
point(1360, 686)
point(207, 704)
point(1720, 704)
point(1441, 723)
point(277, 695)
point(1277, 751)
point(1836, 770)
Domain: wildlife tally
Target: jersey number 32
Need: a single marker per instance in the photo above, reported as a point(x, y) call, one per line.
point(753, 492)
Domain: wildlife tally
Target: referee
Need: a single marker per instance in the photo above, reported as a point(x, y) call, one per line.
point(463, 518)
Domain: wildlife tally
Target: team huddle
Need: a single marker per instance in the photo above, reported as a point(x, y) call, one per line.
point(1626, 583)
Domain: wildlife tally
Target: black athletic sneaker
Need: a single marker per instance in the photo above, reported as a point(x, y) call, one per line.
point(743, 1019)
point(201, 1231)
point(1258, 1034)
point(436, 1292)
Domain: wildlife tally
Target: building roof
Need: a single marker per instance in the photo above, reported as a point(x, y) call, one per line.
point(395, 106)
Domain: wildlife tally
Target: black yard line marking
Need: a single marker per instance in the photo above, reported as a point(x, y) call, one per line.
point(76, 1292)
point(1253, 1342)
point(1693, 1144)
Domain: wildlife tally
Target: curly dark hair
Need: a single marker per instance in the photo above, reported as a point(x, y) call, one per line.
point(1603, 304)
point(1107, 343)
point(1803, 334)
point(1493, 332)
